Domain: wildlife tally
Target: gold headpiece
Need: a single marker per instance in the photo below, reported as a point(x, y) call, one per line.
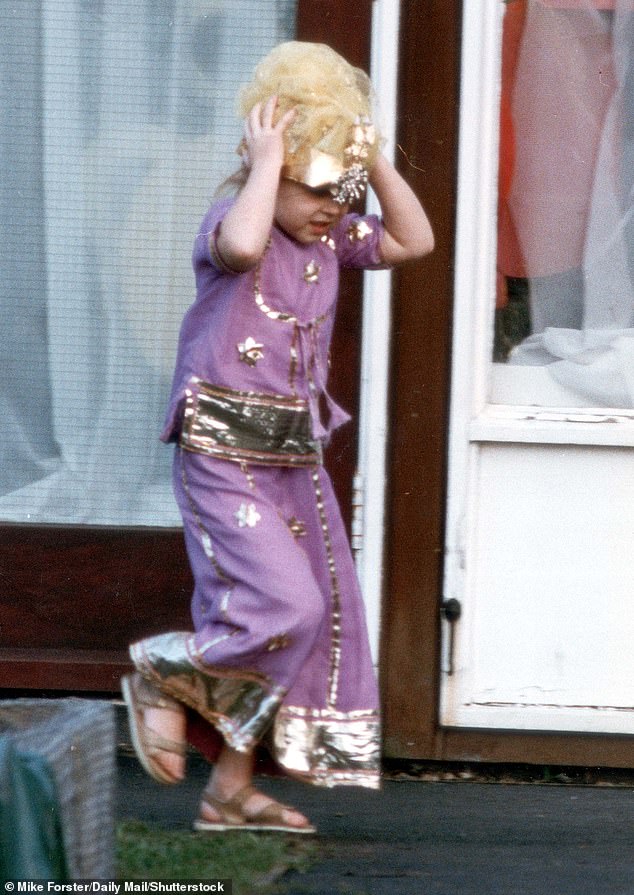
point(331, 141)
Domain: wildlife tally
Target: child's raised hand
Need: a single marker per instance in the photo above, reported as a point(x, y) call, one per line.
point(246, 227)
point(265, 140)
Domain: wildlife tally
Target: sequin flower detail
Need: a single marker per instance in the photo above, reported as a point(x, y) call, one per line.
point(311, 272)
point(250, 351)
point(247, 515)
point(358, 230)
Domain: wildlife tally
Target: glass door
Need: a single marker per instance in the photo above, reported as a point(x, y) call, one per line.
point(540, 529)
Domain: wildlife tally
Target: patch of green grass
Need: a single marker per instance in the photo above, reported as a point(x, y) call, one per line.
point(253, 861)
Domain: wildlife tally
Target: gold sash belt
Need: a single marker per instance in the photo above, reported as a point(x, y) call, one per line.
point(270, 430)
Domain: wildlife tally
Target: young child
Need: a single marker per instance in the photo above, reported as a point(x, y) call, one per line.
point(279, 648)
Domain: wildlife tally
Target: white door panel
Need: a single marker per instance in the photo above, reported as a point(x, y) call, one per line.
point(547, 623)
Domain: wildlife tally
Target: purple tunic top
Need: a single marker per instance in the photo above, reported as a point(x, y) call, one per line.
point(268, 330)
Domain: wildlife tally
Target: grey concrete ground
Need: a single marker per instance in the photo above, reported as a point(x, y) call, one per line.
point(422, 838)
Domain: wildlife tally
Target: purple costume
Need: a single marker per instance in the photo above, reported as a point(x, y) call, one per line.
point(280, 647)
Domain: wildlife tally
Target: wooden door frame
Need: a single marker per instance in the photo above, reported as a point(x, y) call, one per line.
point(421, 358)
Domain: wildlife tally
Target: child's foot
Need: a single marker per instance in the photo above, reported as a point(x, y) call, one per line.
point(157, 726)
point(248, 809)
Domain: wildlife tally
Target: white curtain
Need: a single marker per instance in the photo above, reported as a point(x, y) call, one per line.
point(567, 212)
point(117, 123)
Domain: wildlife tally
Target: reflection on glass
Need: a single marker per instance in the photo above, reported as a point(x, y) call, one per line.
point(117, 123)
point(565, 286)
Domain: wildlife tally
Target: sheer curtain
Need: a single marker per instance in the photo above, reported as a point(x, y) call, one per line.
point(117, 122)
point(566, 222)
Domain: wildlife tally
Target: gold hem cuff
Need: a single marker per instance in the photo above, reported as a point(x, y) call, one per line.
point(328, 748)
point(240, 705)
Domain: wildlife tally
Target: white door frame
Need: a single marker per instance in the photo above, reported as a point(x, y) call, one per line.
point(369, 516)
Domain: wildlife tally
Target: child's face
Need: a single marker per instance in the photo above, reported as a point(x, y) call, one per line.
point(306, 214)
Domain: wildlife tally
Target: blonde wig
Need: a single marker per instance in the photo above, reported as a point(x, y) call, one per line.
point(332, 140)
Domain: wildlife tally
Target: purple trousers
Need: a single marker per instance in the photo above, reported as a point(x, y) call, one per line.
point(280, 647)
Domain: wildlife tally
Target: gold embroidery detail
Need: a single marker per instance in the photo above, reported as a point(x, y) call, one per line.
point(280, 641)
point(259, 299)
point(335, 624)
point(250, 351)
point(207, 544)
point(216, 257)
point(283, 317)
point(272, 314)
point(249, 475)
point(294, 360)
point(296, 527)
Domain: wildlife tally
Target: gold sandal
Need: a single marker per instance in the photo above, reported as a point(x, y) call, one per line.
point(270, 818)
point(140, 695)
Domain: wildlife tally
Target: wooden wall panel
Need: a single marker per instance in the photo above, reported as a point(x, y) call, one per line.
point(72, 598)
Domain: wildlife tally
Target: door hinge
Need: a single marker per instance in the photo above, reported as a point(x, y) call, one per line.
point(356, 527)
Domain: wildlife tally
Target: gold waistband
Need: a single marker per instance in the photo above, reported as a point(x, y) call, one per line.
point(269, 430)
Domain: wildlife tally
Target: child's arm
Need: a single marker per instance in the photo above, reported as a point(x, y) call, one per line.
point(408, 233)
point(246, 228)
